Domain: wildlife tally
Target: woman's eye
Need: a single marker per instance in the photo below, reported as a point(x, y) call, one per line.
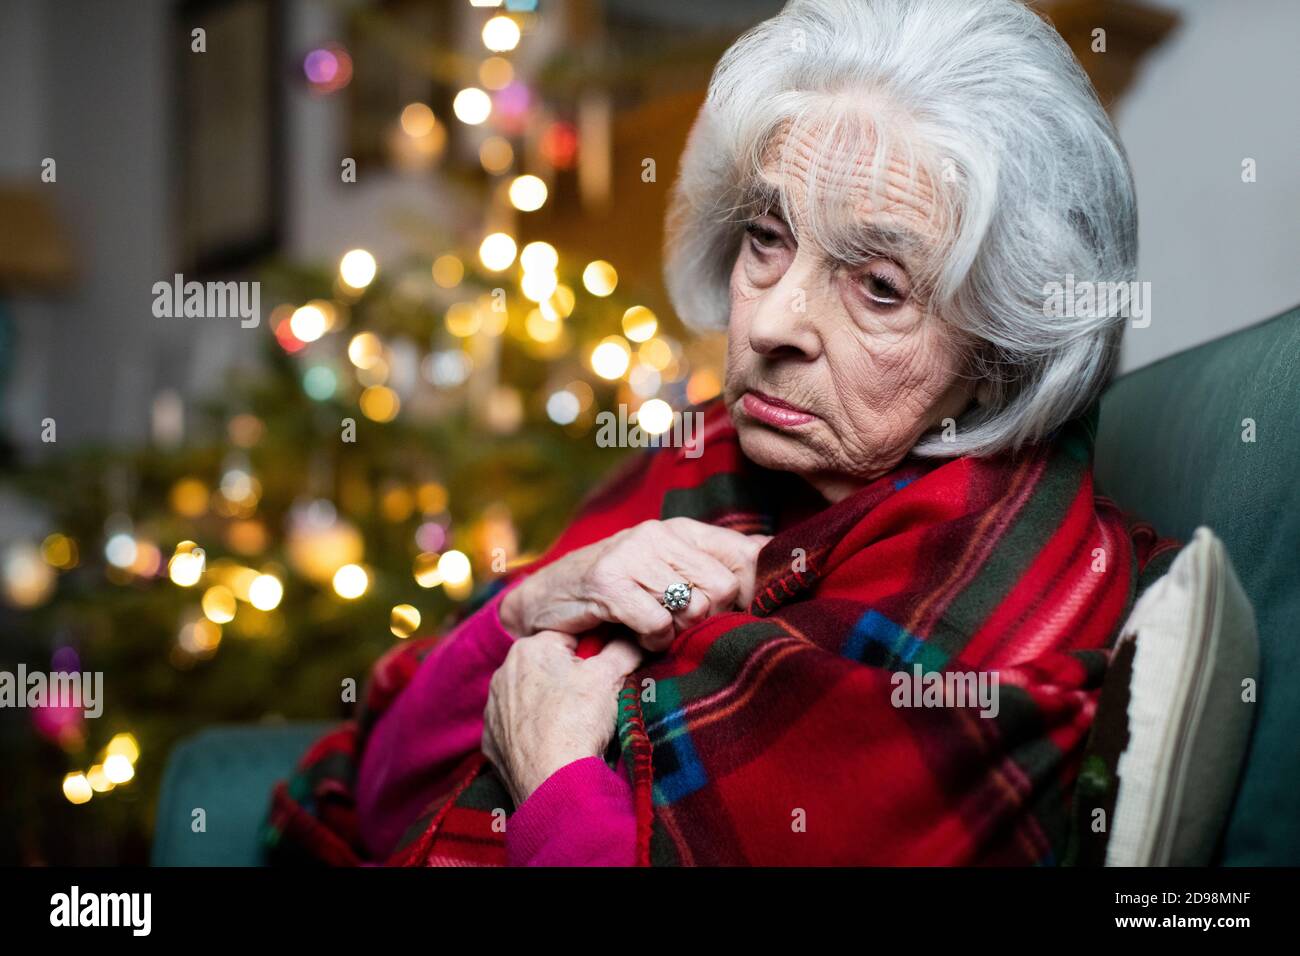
point(763, 237)
point(882, 288)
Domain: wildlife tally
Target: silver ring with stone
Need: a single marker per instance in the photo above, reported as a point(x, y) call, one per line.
point(677, 597)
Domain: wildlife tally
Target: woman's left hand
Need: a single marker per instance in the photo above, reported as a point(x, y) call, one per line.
point(547, 707)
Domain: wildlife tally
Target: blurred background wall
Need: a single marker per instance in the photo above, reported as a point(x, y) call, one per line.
point(1219, 253)
point(89, 83)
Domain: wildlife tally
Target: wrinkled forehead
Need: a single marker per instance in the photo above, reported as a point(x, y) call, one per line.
point(850, 183)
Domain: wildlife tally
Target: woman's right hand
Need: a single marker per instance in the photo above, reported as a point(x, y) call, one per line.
point(622, 580)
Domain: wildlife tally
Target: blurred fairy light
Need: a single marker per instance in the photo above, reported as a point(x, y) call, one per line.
point(472, 106)
point(430, 536)
point(126, 745)
point(611, 357)
point(403, 620)
point(448, 271)
point(379, 403)
point(59, 551)
point(120, 550)
point(541, 328)
point(189, 498)
point(496, 154)
point(644, 381)
point(538, 286)
point(118, 769)
point(501, 34)
point(463, 319)
point(563, 407)
point(77, 788)
point(655, 416)
point(497, 252)
point(99, 781)
point(29, 581)
point(418, 120)
point(640, 324)
point(559, 145)
point(539, 257)
point(432, 497)
point(364, 349)
point(425, 570)
point(454, 567)
point(219, 604)
point(357, 268)
point(265, 592)
point(495, 72)
point(512, 104)
point(328, 68)
point(320, 382)
point(351, 581)
point(527, 193)
point(655, 353)
point(308, 323)
point(186, 567)
point(560, 304)
point(199, 638)
point(245, 429)
point(702, 386)
point(447, 368)
point(599, 278)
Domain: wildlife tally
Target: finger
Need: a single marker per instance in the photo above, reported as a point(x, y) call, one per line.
point(555, 637)
point(737, 551)
point(637, 606)
point(617, 659)
point(714, 586)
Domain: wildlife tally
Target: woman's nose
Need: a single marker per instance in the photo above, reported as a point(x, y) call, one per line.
point(783, 319)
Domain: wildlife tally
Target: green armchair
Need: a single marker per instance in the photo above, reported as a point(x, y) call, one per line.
point(1172, 448)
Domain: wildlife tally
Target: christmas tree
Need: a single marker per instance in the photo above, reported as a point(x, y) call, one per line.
point(416, 427)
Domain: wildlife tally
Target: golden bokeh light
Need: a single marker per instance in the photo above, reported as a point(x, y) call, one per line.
point(404, 620)
point(357, 269)
point(426, 570)
point(655, 416)
point(527, 193)
point(418, 120)
point(189, 498)
point(77, 788)
point(472, 106)
point(219, 604)
point(599, 278)
point(380, 403)
point(265, 592)
point(496, 154)
point(501, 34)
point(351, 581)
point(448, 271)
point(496, 72)
point(497, 252)
point(611, 357)
point(454, 567)
point(640, 324)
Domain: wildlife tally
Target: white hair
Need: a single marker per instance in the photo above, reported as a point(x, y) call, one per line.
point(995, 119)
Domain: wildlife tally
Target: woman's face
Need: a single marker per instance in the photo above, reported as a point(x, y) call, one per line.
point(835, 370)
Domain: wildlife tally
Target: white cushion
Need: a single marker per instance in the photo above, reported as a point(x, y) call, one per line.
point(1188, 723)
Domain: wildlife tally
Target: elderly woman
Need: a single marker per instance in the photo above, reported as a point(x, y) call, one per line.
point(868, 624)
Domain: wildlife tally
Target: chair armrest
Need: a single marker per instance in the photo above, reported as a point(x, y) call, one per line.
point(228, 772)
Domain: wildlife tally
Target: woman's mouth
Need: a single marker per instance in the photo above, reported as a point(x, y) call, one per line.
point(773, 411)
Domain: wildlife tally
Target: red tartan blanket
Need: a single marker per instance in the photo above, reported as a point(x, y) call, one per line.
point(826, 724)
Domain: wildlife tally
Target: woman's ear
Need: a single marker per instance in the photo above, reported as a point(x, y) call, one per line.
point(983, 394)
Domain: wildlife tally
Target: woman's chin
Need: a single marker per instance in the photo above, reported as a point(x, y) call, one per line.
point(777, 449)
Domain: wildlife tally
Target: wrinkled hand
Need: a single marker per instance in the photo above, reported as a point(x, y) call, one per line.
point(547, 707)
point(622, 579)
